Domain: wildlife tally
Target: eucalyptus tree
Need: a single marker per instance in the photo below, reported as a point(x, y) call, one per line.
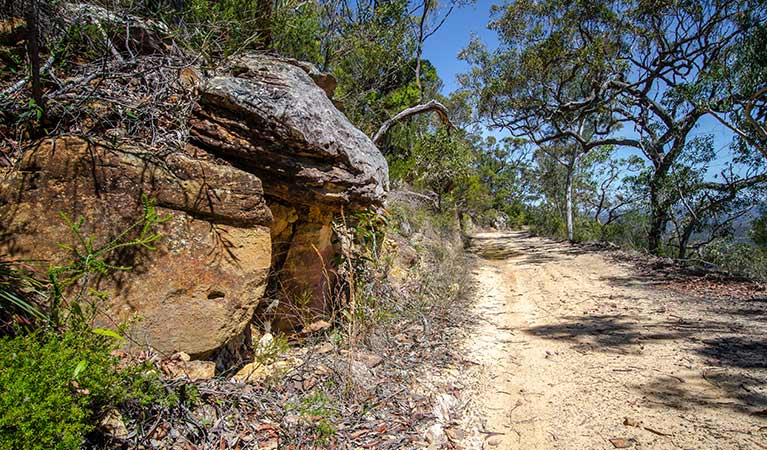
point(707, 209)
point(544, 81)
point(655, 67)
point(673, 51)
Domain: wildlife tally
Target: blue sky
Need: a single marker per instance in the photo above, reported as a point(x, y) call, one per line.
point(442, 49)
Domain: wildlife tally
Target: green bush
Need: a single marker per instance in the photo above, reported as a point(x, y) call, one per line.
point(52, 386)
point(738, 258)
point(758, 231)
point(55, 386)
point(547, 222)
point(228, 27)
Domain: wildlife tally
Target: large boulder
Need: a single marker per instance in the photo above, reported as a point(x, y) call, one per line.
point(270, 162)
point(270, 116)
point(199, 289)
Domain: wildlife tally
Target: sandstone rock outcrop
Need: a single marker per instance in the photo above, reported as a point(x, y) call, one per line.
point(269, 163)
point(268, 116)
point(208, 274)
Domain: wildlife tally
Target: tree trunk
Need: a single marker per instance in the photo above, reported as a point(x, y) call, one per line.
point(419, 49)
point(569, 202)
point(265, 23)
point(33, 51)
point(431, 105)
point(684, 240)
point(657, 220)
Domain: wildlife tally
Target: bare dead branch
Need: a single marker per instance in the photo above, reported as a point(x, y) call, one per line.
point(23, 82)
point(430, 106)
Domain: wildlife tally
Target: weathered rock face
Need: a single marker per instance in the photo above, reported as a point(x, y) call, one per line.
point(269, 162)
point(203, 283)
point(302, 258)
point(269, 116)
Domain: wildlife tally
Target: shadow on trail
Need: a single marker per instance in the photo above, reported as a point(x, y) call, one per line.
point(736, 373)
point(520, 246)
point(728, 338)
point(736, 351)
point(715, 389)
point(614, 333)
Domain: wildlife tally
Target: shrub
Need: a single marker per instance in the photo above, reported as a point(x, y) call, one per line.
point(758, 231)
point(738, 258)
point(228, 27)
point(547, 222)
point(52, 387)
point(55, 386)
point(317, 408)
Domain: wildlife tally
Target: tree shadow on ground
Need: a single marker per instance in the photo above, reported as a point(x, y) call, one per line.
point(735, 351)
point(724, 339)
point(715, 389)
point(735, 374)
point(613, 333)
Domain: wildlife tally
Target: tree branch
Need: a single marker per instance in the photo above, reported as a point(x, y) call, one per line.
point(23, 82)
point(429, 106)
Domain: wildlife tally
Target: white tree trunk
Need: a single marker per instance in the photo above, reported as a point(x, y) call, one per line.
point(569, 202)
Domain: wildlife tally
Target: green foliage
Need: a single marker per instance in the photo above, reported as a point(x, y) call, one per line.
point(371, 54)
point(296, 27)
point(222, 28)
point(546, 221)
point(218, 29)
point(81, 41)
point(317, 408)
point(55, 385)
point(737, 258)
point(440, 162)
point(268, 352)
point(369, 228)
point(759, 231)
point(573, 73)
point(630, 231)
point(52, 387)
point(11, 61)
point(50, 383)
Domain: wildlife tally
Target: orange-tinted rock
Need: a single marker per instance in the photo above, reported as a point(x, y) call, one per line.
point(200, 287)
point(303, 272)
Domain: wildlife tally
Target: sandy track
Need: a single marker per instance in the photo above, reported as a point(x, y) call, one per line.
point(573, 350)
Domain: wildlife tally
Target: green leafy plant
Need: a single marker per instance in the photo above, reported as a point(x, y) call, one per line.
point(88, 259)
point(317, 408)
point(52, 385)
point(58, 375)
point(55, 386)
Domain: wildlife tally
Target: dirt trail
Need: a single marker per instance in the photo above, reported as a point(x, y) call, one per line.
point(573, 350)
